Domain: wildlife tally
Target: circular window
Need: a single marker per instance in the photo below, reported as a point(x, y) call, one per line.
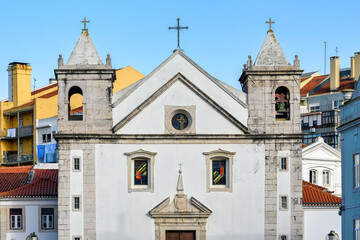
point(180, 121)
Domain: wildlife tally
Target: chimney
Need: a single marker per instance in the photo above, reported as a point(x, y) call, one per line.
point(357, 65)
point(352, 64)
point(334, 73)
point(20, 77)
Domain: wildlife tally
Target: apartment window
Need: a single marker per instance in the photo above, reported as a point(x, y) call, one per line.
point(284, 163)
point(16, 218)
point(313, 176)
point(357, 229)
point(328, 119)
point(47, 218)
point(76, 164)
point(76, 203)
point(315, 109)
point(326, 177)
point(315, 123)
point(140, 171)
point(219, 170)
point(330, 138)
point(283, 203)
point(46, 137)
point(337, 104)
point(356, 171)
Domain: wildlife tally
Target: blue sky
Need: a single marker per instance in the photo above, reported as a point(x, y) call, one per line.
point(220, 37)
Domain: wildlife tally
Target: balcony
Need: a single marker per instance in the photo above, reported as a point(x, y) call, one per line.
point(12, 133)
point(13, 159)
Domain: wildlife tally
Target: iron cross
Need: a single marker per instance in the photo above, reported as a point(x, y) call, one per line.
point(270, 22)
point(178, 28)
point(85, 22)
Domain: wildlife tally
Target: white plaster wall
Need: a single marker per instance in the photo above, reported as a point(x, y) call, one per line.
point(284, 189)
point(76, 183)
point(31, 219)
point(152, 119)
point(174, 65)
point(319, 165)
point(318, 222)
point(123, 215)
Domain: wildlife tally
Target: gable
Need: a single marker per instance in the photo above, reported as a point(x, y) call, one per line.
point(206, 118)
point(321, 152)
point(129, 101)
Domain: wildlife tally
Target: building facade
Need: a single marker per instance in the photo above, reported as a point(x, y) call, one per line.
point(173, 155)
point(350, 150)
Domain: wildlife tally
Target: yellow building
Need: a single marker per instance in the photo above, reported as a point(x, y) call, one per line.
point(22, 115)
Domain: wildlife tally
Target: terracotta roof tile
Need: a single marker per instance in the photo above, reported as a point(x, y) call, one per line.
point(13, 182)
point(50, 94)
point(347, 83)
point(317, 195)
point(312, 84)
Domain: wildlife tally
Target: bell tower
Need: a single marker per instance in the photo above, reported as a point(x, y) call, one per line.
point(85, 90)
point(272, 85)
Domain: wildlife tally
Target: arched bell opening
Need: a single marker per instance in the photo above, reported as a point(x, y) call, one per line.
point(282, 103)
point(75, 104)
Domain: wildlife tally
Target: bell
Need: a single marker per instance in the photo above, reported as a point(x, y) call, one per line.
point(281, 107)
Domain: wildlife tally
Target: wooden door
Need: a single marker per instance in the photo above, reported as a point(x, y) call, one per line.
point(180, 235)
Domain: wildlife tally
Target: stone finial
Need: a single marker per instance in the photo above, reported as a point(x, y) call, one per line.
point(244, 69)
point(296, 61)
point(108, 61)
point(249, 62)
point(180, 185)
point(60, 61)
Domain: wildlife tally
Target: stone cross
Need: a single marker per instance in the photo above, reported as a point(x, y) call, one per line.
point(180, 164)
point(270, 22)
point(178, 28)
point(85, 22)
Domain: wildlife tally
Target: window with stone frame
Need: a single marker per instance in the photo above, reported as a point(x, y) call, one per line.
point(16, 218)
point(357, 229)
point(76, 163)
point(140, 171)
point(219, 168)
point(284, 203)
point(284, 164)
point(313, 176)
point(47, 218)
point(356, 171)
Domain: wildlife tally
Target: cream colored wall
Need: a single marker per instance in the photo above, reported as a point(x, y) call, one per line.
point(125, 77)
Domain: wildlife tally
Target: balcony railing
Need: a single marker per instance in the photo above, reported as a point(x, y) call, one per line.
point(12, 159)
point(23, 131)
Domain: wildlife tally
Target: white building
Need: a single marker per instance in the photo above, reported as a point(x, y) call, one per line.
point(240, 151)
point(28, 203)
point(322, 166)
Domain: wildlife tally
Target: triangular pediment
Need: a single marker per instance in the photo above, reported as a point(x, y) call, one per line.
point(319, 150)
point(180, 207)
point(227, 101)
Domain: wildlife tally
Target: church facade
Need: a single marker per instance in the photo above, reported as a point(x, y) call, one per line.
point(180, 154)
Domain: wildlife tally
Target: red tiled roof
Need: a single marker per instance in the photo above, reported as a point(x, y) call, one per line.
point(13, 182)
point(44, 88)
point(311, 85)
point(27, 104)
point(50, 94)
point(317, 195)
point(76, 110)
point(347, 83)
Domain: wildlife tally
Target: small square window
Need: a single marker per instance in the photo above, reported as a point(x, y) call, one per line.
point(16, 218)
point(283, 237)
point(283, 164)
point(76, 203)
point(47, 218)
point(76, 238)
point(283, 203)
point(77, 164)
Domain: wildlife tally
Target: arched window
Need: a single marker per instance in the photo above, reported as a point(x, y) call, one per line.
point(326, 177)
point(313, 176)
point(75, 104)
point(282, 103)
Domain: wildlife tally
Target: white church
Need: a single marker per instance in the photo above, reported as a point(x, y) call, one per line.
point(180, 155)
